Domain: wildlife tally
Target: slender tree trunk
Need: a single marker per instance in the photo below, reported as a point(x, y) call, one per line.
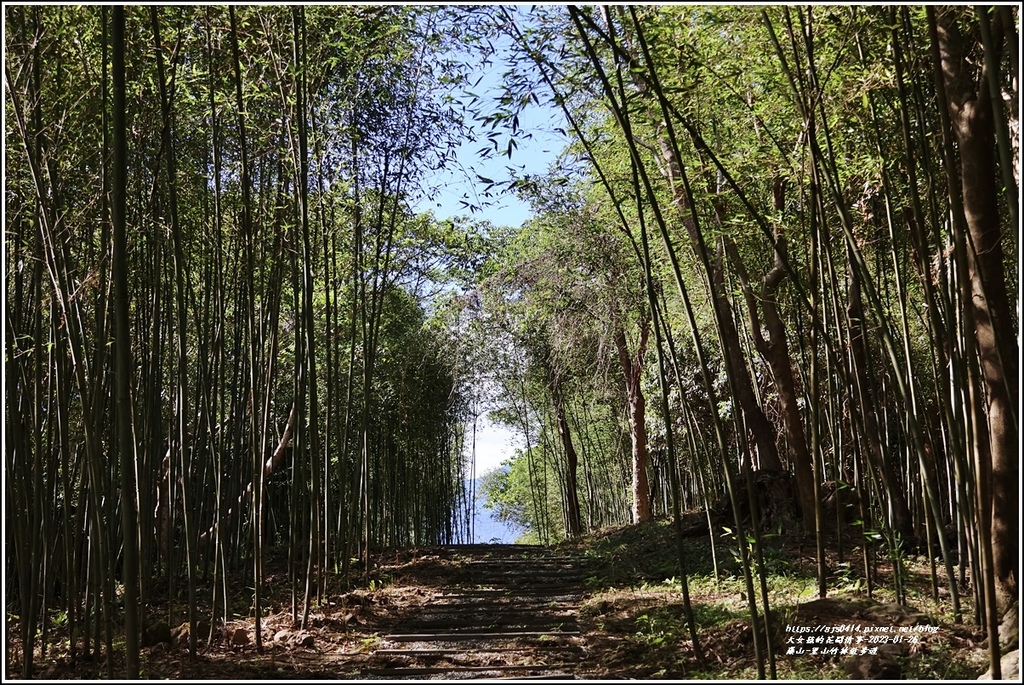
point(122, 355)
point(249, 280)
point(574, 525)
point(862, 387)
point(302, 187)
point(181, 436)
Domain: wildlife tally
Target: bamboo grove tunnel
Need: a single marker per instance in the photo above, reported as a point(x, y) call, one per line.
point(749, 270)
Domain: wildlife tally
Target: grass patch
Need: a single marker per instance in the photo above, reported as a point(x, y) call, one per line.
point(637, 603)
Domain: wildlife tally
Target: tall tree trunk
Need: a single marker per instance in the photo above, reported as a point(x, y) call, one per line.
point(775, 349)
point(971, 115)
point(757, 423)
point(632, 370)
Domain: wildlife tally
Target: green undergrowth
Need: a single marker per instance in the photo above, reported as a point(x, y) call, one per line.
point(635, 606)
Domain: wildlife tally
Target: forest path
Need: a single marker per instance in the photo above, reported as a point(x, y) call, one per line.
point(485, 611)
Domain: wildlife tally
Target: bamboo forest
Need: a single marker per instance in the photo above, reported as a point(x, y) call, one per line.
point(741, 283)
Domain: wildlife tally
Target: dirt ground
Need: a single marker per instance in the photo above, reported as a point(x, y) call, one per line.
point(630, 615)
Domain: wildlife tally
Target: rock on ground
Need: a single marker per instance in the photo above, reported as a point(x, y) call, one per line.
point(1009, 627)
point(886, 665)
point(180, 634)
point(1009, 665)
point(240, 637)
point(156, 634)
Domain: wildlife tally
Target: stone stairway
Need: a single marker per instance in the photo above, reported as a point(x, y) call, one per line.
point(507, 611)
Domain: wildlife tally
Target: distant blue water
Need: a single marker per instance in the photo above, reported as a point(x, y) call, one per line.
point(488, 530)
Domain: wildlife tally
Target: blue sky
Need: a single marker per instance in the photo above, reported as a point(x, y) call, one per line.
point(538, 145)
point(533, 156)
